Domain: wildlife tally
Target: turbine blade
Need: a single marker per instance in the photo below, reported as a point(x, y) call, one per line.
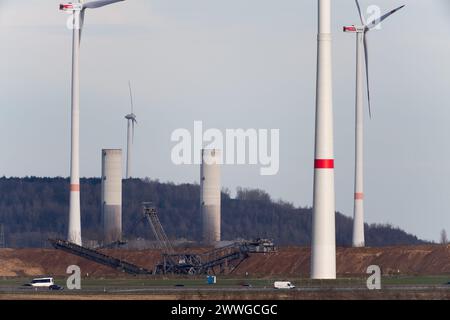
point(100, 3)
point(366, 60)
point(376, 22)
point(131, 96)
point(363, 21)
point(132, 130)
point(81, 23)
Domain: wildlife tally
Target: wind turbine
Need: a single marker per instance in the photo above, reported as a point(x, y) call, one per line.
point(78, 10)
point(323, 240)
point(131, 120)
point(361, 42)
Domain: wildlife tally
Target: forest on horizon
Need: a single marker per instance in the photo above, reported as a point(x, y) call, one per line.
point(34, 209)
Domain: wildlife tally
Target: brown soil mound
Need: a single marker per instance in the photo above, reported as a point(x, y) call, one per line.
point(406, 260)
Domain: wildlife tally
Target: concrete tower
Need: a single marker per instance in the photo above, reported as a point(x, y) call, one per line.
point(112, 195)
point(210, 195)
point(323, 246)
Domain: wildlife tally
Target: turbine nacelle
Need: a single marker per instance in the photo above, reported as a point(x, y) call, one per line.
point(78, 7)
point(354, 29)
point(71, 7)
point(131, 116)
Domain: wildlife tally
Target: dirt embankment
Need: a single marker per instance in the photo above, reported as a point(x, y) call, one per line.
point(405, 260)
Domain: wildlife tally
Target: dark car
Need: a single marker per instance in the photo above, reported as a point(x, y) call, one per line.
point(55, 287)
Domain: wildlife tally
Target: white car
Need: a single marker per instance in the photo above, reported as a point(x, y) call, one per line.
point(283, 285)
point(42, 282)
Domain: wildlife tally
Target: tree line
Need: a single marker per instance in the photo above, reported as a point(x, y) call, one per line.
point(34, 209)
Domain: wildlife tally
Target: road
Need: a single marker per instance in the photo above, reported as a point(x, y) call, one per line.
point(226, 293)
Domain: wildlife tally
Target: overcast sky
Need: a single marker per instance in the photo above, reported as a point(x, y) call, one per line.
point(235, 64)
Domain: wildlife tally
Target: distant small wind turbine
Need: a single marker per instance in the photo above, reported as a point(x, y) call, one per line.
point(131, 120)
point(78, 10)
point(361, 41)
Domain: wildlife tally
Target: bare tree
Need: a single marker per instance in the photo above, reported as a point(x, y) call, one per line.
point(444, 239)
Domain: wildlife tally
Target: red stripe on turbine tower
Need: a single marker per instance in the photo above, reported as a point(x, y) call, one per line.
point(359, 196)
point(324, 164)
point(74, 187)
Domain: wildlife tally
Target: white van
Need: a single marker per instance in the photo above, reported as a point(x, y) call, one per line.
point(283, 285)
point(42, 282)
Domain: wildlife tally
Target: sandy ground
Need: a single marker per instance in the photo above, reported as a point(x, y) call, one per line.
point(404, 260)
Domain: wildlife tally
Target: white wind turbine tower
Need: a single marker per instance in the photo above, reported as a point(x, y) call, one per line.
point(131, 121)
point(78, 10)
point(361, 42)
point(323, 240)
